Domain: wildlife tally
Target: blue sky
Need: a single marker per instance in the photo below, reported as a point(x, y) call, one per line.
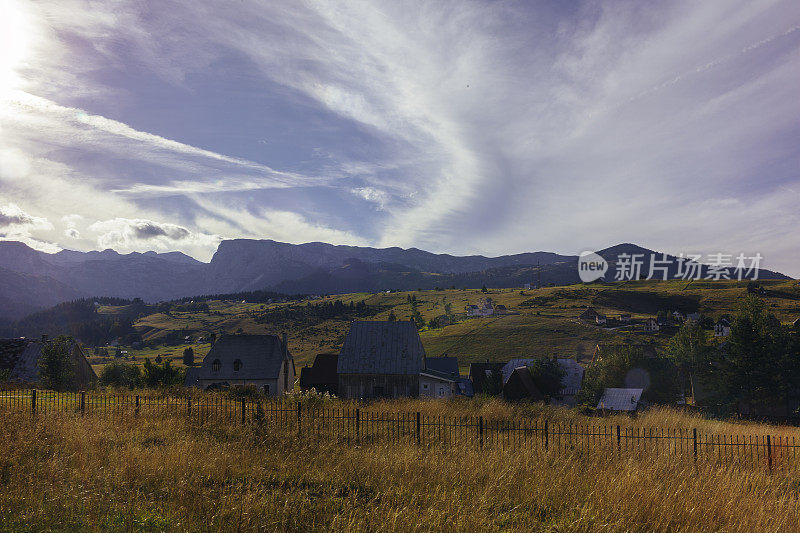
point(464, 127)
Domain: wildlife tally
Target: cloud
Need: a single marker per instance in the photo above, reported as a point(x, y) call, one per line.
point(72, 233)
point(11, 216)
point(378, 197)
point(142, 235)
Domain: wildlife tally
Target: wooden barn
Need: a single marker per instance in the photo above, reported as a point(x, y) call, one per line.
point(381, 360)
point(322, 375)
point(19, 362)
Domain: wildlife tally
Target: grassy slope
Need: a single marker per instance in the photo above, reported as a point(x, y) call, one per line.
point(550, 327)
point(66, 473)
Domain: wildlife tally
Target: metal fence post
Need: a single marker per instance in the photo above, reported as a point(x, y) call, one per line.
point(480, 431)
point(358, 426)
point(83, 402)
point(136, 411)
point(244, 411)
point(299, 417)
point(694, 438)
point(189, 406)
point(33, 402)
point(619, 440)
point(769, 452)
point(546, 434)
point(419, 427)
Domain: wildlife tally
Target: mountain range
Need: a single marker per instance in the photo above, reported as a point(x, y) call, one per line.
point(31, 280)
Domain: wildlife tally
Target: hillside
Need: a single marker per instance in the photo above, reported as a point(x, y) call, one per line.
point(539, 322)
point(247, 265)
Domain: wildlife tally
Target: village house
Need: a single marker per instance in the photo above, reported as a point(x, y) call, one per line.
point(589, 315)
point(321, 375)
point(263, 361)
point(694, 317)
point(381, 359)
point(600, 319)
point(19, 362)
point(620, 400)
point(484, 308)
point(625, 318)
point(678, 316)
point(651, 325)
point(571, 382)
point(722, 328)
point(440, 378)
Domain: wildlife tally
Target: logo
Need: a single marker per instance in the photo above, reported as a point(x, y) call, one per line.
point(591, 267)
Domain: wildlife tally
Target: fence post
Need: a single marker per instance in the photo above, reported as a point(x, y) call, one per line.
point(769, 452)
point(189, 406)
point(546, 434)
point(136, 412)
point(33, 402)
point(619, 441)
point(480, 431)
point(358, 426)
point(299, 417)
point(83, 402)
point(694, 438)
point(244, 411)
point(419, 426)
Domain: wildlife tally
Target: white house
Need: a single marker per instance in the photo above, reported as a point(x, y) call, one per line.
point(722, 328)
point(651, 325)
point(600, 319)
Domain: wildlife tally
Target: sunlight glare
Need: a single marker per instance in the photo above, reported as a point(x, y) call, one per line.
point(15, 32)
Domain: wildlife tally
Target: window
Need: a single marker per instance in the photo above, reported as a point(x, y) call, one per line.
point(216, 365)
point(237, 365)
point(424, 386)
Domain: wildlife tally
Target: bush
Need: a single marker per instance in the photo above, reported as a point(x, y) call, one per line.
point(56, 366)
point(119, 374)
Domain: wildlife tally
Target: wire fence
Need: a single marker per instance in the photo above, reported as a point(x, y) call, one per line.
point(360, 426)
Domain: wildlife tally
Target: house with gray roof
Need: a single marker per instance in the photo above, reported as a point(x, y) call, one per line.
point(625, 400)
point(381, 359)
point(237, 360)
point(19, 362)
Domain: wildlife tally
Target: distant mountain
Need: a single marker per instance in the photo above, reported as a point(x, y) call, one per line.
point(32, 280)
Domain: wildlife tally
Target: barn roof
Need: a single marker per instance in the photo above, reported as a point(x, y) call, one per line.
point(322, 372)
point(382, 347)
point(620, 399)
point(261, 357)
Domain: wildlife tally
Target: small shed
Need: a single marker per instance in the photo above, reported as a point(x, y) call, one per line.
point(625, 400)
point(436, 384)
point(520, 386)
point(481, 373)
point(321, 375)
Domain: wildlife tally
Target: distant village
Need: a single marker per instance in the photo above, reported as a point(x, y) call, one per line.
point(386, 359)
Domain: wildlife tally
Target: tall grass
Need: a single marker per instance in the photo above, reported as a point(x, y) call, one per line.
point(66, 473)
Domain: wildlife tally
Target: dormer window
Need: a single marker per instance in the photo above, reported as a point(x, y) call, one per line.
point(216, 366)
point(237, 365)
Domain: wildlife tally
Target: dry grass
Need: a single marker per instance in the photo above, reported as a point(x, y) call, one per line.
point(63, 472)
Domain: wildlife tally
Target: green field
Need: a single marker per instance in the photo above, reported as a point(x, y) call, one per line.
point(540, 322)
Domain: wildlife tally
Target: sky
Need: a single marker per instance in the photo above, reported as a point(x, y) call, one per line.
point(464, 127)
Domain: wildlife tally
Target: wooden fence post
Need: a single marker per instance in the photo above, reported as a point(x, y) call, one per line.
point(419, 428)
point(33, 402)
point(244, 411)
point(83, 402)
point(694, 438)
point(480, 431)
point(769, 452)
